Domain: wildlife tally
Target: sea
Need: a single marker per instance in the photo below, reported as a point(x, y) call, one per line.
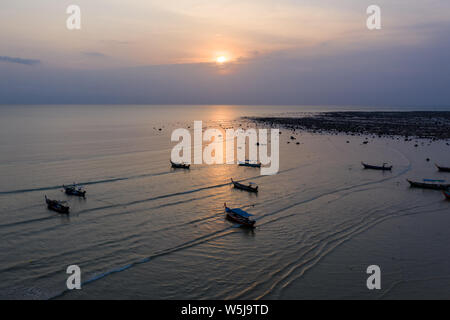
point(147, 231)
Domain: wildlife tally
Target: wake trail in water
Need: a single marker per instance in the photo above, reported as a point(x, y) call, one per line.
point(163, 229)
point(336, 191)
point(215, 235)
point(212, 236)
point(18, 223)
point(118, 205)
point(402, 172)
point(87, 183)
point(321, 248)
point(348, 237)
point(188, 244)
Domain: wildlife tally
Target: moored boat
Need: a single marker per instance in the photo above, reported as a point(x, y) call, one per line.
point(73, 190)
point(240, 216)
point(433, 186)
point(447, 194)
point(249, 187)
point(443, 169)
point(179, 165)
point(247, 163)
point(57, 206)
point(383, 167)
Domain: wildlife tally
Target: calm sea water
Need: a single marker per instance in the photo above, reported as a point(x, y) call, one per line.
point(148, 231)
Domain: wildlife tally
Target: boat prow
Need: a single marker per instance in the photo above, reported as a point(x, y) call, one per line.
point(179, 165)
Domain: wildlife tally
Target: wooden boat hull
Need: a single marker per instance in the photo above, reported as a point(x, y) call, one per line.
point(231, 215)
point(431, 186)
point(64, 210)
point(241, 186)
point(77, 193)
point(251, 165)
point(368, 166)
point(443, 169)
point(53, 205)
point(180, 165)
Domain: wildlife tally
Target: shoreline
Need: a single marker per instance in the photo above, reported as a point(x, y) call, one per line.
point(431, 125)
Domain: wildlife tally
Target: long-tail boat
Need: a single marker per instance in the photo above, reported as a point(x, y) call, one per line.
point(434, 186)
point(240, 216)
point(179, 165)
point(383, 167)
point(58, 206)
point(443, 169)
point(247, 163)
point(73, 190)
point(249, 187)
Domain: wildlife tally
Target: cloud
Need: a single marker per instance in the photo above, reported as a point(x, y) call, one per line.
point(94, 54)
point(27, 62)
point(116, 42)
point(401, 74)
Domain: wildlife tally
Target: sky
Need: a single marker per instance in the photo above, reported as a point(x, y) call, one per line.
point(294, 52)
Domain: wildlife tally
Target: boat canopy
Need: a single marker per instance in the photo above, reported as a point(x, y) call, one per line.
point(242, 213)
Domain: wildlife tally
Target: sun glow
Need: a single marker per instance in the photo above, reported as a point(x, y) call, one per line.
point(221, 59)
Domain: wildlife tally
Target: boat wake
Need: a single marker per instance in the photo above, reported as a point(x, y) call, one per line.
point(324, 249)
point(186, 245)
point(131, 203)
point(296, 270)
point(306, 261)
point(86, 183)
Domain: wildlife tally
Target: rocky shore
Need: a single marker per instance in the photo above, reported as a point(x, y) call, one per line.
point(433, 125)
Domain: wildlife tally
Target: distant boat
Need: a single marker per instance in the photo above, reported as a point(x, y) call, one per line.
point(57, 206)
point(447, 194)
point(383, 167)
point(443, 169)
point(240, 216)
point(433, 186)
point(247, 163)
point(249, 187)
point(179, 165)
point(74, 191)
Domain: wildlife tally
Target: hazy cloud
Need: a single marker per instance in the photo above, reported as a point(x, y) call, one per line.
point(28, 62)
point(116, 42)
point(410, 73)
point(94, 54)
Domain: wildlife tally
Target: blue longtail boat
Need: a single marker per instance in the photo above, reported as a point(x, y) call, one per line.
point(240, 216)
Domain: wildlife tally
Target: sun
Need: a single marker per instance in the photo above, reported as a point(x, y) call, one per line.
point(221, 59)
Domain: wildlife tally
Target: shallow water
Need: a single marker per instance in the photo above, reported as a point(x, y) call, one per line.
point(148, 231)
